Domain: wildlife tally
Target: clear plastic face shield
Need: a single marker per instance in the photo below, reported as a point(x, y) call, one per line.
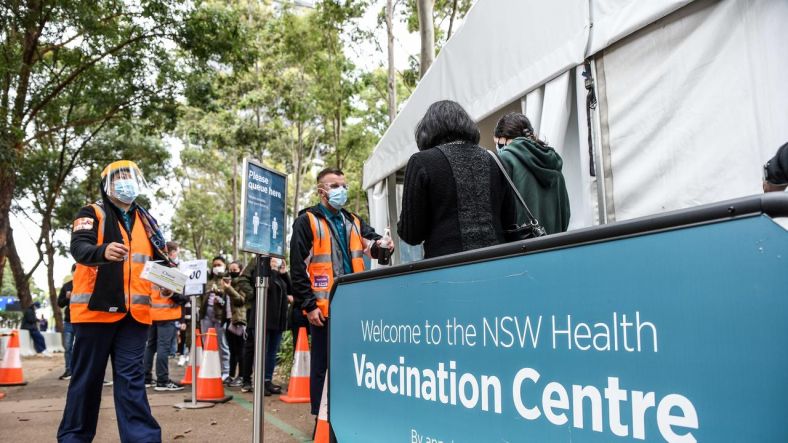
point(123, 181)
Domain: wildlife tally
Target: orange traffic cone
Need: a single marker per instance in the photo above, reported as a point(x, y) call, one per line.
point(298, 389)
point(11, 366)
point(2, 395)
point(323, 429)
point(187, 378)
point(209, 378)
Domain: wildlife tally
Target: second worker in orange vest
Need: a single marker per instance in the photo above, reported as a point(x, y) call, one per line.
point(164, 311)
point(328, 241)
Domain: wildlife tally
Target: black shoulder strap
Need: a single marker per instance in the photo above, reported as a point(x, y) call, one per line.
point(528, 213)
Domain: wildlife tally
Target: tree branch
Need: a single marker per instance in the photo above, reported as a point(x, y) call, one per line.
point(77, 72)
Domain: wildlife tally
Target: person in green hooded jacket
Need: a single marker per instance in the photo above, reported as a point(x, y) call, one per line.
point(535, 169)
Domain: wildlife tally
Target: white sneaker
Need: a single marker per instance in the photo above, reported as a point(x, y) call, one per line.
point(46, 354)
point(182, 360)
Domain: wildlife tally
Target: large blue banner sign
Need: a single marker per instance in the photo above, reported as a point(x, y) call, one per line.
point(263, 210)
point(677, 336)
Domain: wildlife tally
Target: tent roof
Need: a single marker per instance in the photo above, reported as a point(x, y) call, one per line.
point(504, 49)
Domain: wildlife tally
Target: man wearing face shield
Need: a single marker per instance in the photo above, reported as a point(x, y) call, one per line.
point(328, 241)
point(111, 307)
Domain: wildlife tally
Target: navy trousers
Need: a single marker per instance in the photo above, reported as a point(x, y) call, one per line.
point(159, 344)
point(94, 344)
point(318, 364)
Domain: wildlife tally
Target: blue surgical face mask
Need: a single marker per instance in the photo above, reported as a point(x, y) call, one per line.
point(337, 197)
point(126, 190)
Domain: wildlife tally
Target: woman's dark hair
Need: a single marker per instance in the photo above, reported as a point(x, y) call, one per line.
point(220, 258)
point(515, 124)
point(445, 122)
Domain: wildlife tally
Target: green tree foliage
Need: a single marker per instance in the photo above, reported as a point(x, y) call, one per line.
point(72, 70)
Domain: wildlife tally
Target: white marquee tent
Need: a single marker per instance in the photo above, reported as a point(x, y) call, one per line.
point(690, 98)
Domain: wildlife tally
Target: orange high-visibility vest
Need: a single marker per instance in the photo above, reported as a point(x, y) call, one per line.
point(162, 308)
point(137, 291)
point(321, 266)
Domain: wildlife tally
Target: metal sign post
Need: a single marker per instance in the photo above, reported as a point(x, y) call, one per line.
point(263, 268)
point(195, 287)
point(263, 203)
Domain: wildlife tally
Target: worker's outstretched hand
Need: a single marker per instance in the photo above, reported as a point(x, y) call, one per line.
point(116, 252)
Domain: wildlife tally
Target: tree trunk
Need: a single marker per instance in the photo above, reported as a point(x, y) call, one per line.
point(298, 164)
point(7, 185)
point(391, 84)
point(18, 271)
point(427, 34)
point(235, 207)
point(451, 18)
point(56, 311)
point(2, 266)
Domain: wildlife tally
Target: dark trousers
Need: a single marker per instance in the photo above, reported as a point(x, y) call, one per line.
point(68, 343)
point(297, 321)
point(38, 340)
point(159, 342)
point(248, 354)
point(271, 346)
point(236, 344)
point(272, 341)
point(124, 343)
point(318, 364)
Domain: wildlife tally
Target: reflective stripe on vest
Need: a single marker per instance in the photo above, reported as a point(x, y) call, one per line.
point(162, 309)
point(321, 266)
point(80, 298)
point(140, 299)
point(136, 291)
point(139, 258)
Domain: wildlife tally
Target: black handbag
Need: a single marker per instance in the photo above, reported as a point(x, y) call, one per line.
point(531, 228)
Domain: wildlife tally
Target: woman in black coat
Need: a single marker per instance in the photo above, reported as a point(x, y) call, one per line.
point(455, 196)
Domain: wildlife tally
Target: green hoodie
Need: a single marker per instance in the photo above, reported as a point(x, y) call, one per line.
point(536, 171)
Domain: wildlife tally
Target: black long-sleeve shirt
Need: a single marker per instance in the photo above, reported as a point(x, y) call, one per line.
point(63, 300)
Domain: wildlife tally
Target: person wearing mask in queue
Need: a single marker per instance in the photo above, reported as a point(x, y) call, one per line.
point(279, 293)
point(215, 311)
point(455, 196)
point(279, 290)
point(63, 299)
point(110, 308)
point(327, 241)
point(535, 169)
point(235, 331)
point(165, 311)
point(296, 318)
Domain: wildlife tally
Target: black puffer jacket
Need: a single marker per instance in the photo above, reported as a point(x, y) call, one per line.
point(279, 287)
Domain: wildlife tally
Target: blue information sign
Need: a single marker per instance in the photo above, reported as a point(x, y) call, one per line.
point(263, 210)
point(677, 336)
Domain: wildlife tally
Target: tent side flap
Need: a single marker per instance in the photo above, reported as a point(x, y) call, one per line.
point(503, 49)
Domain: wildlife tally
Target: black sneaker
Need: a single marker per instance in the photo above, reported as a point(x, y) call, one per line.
point(236, 383)
point(66, 376)
point(247, 387)
point(272, 388)
point(150, 383)
point(169, 386)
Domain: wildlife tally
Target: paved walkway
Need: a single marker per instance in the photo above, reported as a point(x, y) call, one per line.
point(32, 413)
